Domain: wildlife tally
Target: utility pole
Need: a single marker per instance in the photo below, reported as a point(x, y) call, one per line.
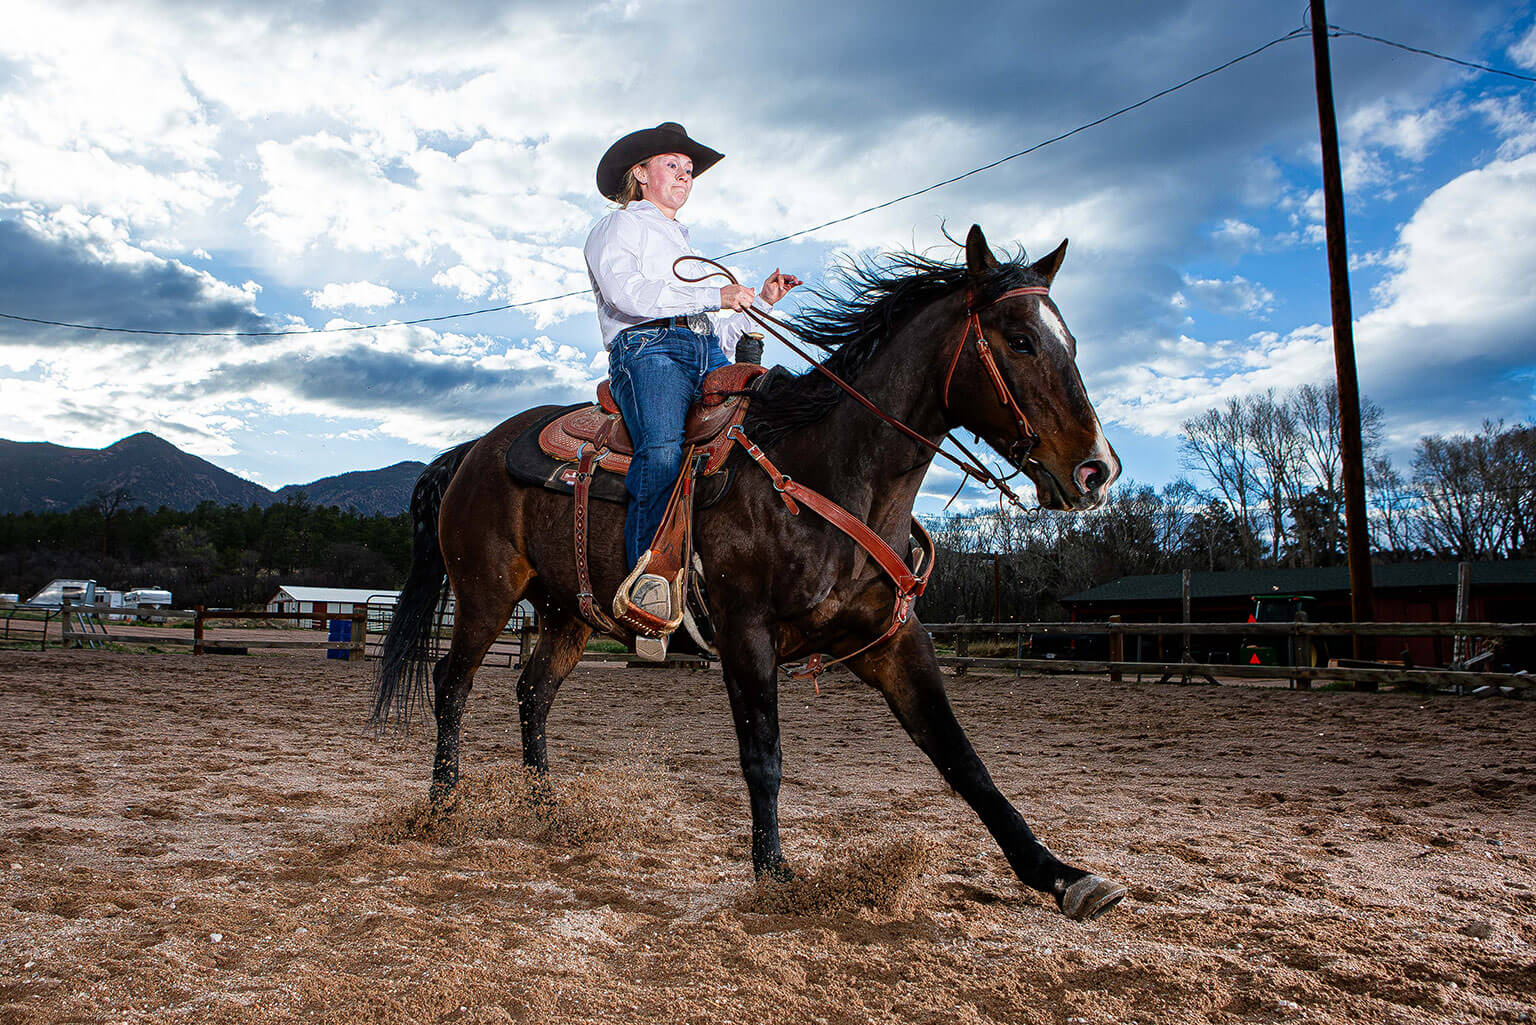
point(1351, 449)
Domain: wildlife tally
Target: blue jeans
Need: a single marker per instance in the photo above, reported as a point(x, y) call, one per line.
point(655, 374)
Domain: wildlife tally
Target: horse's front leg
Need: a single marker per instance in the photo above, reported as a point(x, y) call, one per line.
point(747, 658)
point(906, 672)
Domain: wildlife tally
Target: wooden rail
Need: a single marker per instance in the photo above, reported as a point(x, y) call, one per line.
point(1301, 676)
point(200, 616)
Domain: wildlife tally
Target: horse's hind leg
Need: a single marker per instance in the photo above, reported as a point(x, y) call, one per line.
point(480, 614)
point(906, 672)
point(562, 639)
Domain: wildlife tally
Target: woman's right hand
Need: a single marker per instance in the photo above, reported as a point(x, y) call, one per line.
point(736, 297)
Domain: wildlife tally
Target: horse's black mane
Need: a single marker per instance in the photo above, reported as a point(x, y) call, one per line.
point(863, 305)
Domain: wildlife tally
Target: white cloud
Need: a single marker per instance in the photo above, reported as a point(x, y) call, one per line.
point(464, 281)
point(1235, 296)
point(1463, 284)
point(1237, 234)
point(358, 294)
point(1407, 132)
point(1523, 52)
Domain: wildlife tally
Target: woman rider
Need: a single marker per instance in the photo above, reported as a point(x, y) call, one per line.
point(655, 327)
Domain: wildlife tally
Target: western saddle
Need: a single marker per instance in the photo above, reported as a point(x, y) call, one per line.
point(595, 436)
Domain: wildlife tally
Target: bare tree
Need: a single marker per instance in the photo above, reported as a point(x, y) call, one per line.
point(1511, 485)
point(1478, 491)
point(1316, 409)
point(1457, 515)
point(1392, 506)
point(1215, 445)
point(1272, 434)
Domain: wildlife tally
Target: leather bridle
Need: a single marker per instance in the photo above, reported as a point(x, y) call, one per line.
point(1019, 451)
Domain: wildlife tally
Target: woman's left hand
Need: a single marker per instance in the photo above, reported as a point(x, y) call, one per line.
point(777, 286)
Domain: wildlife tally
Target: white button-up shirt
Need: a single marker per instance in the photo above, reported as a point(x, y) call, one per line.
point(629, 258)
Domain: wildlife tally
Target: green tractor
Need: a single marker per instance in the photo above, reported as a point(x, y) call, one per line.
point(1276, 651)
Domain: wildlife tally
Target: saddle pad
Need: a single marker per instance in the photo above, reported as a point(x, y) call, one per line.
point(527, 463)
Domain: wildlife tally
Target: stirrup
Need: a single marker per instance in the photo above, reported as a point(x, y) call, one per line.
point(658, 610)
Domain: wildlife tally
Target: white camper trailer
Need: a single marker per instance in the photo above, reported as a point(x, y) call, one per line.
point(147, 598)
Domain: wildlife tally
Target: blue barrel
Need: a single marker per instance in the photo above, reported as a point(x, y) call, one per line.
point(341, 630)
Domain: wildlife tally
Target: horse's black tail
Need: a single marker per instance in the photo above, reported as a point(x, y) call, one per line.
point(404, 675)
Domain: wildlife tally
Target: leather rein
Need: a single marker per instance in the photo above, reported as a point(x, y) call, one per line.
point(909, 581)
point(1019, 451)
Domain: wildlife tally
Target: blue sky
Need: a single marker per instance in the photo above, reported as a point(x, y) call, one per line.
point(227, 166)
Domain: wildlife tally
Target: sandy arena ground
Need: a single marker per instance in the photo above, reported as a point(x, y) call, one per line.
point(220, 840)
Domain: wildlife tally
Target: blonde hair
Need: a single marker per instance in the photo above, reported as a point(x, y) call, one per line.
point(629, 191)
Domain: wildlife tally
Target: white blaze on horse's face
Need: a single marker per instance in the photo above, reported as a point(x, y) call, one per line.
point(1054, 328)
point(1091, 477)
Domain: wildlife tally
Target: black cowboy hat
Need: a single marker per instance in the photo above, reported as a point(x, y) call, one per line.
point(667, 137)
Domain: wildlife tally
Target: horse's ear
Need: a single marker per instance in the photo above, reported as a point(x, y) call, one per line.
point(1047, 266)
point(978, 258)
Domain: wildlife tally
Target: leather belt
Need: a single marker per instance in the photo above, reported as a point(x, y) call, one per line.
point(667, 322)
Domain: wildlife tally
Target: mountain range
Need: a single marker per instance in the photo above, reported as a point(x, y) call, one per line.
point(38, 476)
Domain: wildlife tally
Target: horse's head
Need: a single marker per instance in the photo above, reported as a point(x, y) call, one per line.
point(1018, 387)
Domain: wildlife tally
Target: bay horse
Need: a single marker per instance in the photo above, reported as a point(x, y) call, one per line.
point(781, 586)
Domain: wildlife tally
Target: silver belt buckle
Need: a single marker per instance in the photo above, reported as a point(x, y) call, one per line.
point(699, 324)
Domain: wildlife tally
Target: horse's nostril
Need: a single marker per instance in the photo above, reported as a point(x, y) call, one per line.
point(1091, 475)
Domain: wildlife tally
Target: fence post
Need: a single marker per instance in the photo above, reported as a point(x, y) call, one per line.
point(1116, 649)
point(359, 650)
point(64, 631)
point(197, 631)
point(1185, 653)
point(1018, 654)
point(962, 649)
point(1299, 652)
point(1459, 642)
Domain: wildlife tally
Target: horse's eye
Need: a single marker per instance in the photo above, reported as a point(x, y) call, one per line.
point(1023, 342)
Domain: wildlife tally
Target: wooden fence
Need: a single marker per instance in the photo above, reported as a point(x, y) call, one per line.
point(83, 625)
point(86, 625)
point(1365, 675)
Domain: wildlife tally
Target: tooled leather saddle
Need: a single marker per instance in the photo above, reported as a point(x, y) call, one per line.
point(601, 426)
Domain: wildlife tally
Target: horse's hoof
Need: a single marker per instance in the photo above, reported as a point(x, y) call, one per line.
point(776, 873)
point(1090, 897)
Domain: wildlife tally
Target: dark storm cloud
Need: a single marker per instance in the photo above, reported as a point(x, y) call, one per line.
point(61, 279)
point(372, 382)
point(1051, 66)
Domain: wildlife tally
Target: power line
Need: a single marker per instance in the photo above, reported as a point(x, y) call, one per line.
point(1336, 32)
point(1289, 36)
